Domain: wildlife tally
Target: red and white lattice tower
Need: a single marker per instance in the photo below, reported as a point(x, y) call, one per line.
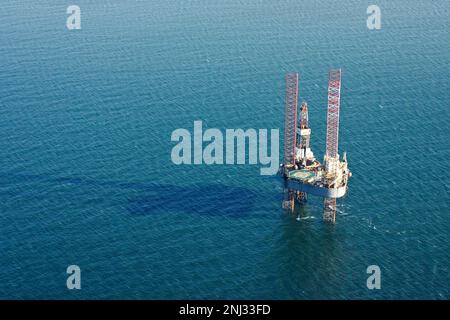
point(290, 118)
point(290, 132)
point(331, 155)
point(334, 97)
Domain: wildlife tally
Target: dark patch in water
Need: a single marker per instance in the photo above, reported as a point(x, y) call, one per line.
point(210, 199)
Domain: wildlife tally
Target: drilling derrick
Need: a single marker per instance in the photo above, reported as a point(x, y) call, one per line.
point(304, 155)
point(302, 172)
point(304, 125)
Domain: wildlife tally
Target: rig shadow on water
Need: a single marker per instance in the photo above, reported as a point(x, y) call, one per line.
point(210, 199)
point(213, 199)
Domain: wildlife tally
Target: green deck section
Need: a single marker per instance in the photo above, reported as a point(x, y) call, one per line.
point(301, 174)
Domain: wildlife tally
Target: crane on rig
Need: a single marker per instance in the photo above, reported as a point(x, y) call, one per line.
point(302, 172)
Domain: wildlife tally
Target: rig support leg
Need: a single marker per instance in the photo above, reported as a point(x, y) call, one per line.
point(329, 209)
point(288, 201)
point(302, 197)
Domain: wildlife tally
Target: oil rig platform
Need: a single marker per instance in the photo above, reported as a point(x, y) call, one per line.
point(302, 172)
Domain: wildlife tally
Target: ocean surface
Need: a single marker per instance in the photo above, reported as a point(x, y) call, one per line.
point(86, 176)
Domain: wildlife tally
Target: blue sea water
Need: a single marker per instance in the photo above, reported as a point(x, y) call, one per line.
point(86, 176)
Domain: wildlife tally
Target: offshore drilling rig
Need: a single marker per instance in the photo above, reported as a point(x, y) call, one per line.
point(302, 172)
